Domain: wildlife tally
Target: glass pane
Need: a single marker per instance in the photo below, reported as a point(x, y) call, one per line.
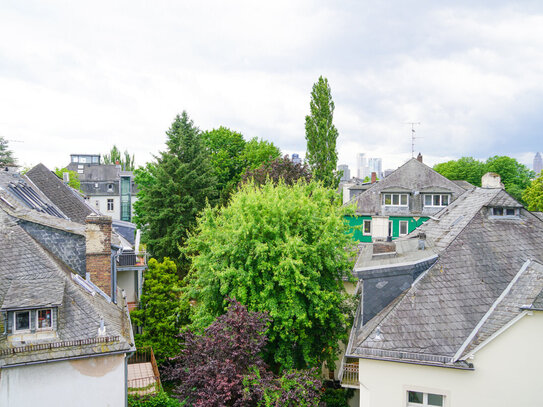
point(414, 397)
point(437, 200)
point(387, 199)
point(395, 199)
point(498, 211)
point(367, 226)
point(22, 320)
point(444, 200)
point(427, 200)
point(404, 199)
point(44, 318)
point(435, 399)
point(403, 228)
point(510, 212)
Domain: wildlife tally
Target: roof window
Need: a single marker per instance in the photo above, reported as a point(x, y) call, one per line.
point(502, 212)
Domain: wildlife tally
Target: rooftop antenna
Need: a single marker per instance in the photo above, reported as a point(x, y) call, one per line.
point(413, 137)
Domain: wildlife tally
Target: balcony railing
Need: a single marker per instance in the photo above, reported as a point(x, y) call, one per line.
point(130, 258)
point(350, 375)
point(143, 376)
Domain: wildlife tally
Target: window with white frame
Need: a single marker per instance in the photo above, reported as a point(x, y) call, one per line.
point(499, 211)
point(418, 399)
point(110, 205)
point(44, 319)
point(436, 199)
point(404, 227)
point(21, 321)
point(395, 199)
point(366, 227)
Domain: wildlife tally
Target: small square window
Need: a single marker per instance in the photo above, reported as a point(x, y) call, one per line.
point(367, 227)
point(22, 320)
point(427, 200)
point(510, 212)
point(45, 319)
point(497, 211)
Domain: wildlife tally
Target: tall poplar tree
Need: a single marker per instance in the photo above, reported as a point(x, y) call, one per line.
point(321, 135)
point(173, 190)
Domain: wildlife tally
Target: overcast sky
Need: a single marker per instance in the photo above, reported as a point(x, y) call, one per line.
point(77, 77)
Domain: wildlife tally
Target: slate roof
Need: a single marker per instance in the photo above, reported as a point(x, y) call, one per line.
point(488, 270)
point(412, 177)
point(24, 263)
point(59, 193)
point(24, 294)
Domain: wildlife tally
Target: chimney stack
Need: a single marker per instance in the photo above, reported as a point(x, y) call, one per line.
point(98, 251)
point(419, 157)
point(491, 180)
point(373, 177)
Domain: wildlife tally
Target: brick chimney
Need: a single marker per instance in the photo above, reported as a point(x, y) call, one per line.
point(98, 251)
point(419, 157)
point(373, 177)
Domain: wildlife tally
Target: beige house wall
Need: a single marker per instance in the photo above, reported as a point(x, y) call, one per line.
point(507, 373)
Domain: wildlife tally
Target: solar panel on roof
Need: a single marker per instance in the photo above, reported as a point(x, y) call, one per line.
point(31, 199)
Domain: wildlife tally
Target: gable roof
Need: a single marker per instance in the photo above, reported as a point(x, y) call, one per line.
point(413, 176)
point(487, 270)
point(29, 275)
point(59, 193)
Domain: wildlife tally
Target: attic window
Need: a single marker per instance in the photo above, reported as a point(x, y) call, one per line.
point(395, 199)
point(21, 321)
point(436, 200)
point(44, 319)
point(109, 187)
point(505, 212)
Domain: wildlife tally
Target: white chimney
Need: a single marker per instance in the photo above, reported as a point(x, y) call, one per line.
point(491, 180)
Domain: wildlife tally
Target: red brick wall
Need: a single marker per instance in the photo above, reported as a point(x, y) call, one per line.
point(98, 254)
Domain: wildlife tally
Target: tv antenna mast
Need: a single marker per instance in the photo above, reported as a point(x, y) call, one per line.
point(413, 137)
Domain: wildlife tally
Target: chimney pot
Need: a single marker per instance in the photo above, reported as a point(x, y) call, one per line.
point(373, 177)
point(419, 157)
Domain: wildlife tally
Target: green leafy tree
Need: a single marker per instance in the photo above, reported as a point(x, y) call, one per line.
point(283, 250)
point(516, 177)
point(226, 148)
point(6, 155)
point(258, 152)
point(173, 190)
point(533, 195)
point(73, 180)
point(466, 168)
point(125, 160)
point(321, 135)
point(160, 313)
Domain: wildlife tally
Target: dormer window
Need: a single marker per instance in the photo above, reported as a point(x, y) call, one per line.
point(504, 212)
point(109, 187)
point(21, 321)
point(436, 200)
point(44, 319)
point(395, 199)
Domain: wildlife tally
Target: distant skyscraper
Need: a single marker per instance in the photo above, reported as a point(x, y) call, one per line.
point(296, 159)
point(346, 172)
point(361, 166)
point(367, 165)
point(538, 164)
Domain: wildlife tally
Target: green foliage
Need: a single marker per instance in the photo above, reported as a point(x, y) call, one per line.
point(321, 135)
point(466, 168)
point(127, 162)
point(6, 155)
point(258, 152)
point(74, 177)
point(533, 195)
point(337, 397)
point(161, 313)
point(226, 149)
point(278, 249)
point(173, 190)
point(514, 175)
point(158, 400)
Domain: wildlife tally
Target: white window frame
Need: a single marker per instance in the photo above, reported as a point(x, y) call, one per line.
point(49, 328)
point(406, 222)
point(392, 195)
point(15, 330)
point(112, 202)
point(364, 227)
point(440, 200)
point(424, 399)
